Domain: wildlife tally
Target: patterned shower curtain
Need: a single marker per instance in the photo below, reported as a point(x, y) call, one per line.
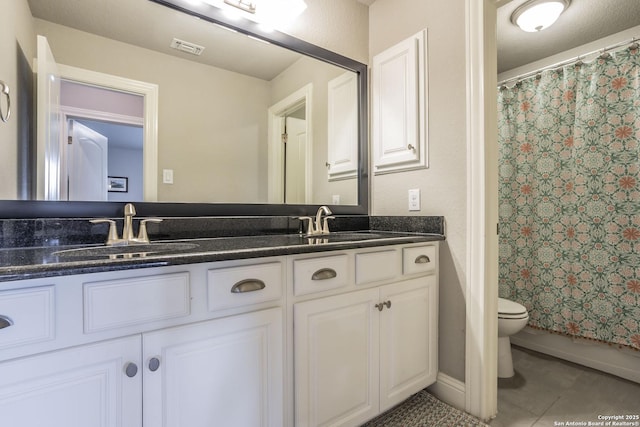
point(569, 195)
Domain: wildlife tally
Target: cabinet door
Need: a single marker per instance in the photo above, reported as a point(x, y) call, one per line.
point(96, 385)
point(336, 359)
point(226, 372)
point(408, 339)
point(399, 116)
point(342, 121)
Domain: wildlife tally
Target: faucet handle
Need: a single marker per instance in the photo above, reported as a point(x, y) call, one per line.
point(310, 229)
point(325, 224)
point(129, 209)
point(112, 237)
point(143, 237)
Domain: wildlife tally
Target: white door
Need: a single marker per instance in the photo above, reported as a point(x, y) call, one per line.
point(295, 161)
point(49, 156)
point(87, 160)
point(95, 385)
point(224, 372)
point(336, 360)
point(408, 339)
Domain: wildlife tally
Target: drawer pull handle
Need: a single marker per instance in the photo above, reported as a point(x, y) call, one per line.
point(5, 322)
point(154, 364)
point(247, 285)
point(324, 274)
point(422, 259)
point(131, 370)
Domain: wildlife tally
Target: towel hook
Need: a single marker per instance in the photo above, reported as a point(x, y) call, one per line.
point(4, 90)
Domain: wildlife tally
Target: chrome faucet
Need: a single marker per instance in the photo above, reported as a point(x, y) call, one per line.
point(127, 229)
point(320, 226)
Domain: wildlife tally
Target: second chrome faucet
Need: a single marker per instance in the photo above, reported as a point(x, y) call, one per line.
point(127, 229)
point(320, 225)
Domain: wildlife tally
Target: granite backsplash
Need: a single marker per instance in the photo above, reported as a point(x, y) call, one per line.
point(21, 233)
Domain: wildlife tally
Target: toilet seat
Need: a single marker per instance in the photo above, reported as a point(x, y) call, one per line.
point(508, 309)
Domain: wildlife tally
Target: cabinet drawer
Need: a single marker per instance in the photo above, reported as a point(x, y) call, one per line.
point(419, 259)
point(320, 274)
point(125, 302)
point(376, 266)
point(26, 316)
point(249, 284)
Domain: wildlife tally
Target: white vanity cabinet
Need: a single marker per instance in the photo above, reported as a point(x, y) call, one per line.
point(323, 338)
point(359, 352)
point(169, 340)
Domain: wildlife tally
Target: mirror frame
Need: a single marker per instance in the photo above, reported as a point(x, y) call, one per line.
point(29, 209)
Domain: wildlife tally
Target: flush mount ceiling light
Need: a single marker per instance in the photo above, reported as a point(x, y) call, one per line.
point(536, 15)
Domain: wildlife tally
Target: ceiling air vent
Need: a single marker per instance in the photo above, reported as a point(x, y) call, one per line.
point(184, 46)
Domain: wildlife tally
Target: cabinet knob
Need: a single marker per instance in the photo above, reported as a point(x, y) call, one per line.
point(422, 259)
point(5, 322)
point(131, 369)
point(380, 306)
point(154, 364)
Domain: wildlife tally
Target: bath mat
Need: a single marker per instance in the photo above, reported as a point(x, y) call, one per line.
point(424, 410)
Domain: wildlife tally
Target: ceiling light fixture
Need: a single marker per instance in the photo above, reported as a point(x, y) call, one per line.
point(268, 13)
point(536, 15)
point(247, 6)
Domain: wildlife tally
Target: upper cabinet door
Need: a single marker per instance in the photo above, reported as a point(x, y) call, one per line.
point(343, 127)
point(400, 106)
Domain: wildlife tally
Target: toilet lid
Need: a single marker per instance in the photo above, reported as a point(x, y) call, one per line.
point(510, 308)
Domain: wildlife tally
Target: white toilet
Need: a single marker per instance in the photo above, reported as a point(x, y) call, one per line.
point(512, 317)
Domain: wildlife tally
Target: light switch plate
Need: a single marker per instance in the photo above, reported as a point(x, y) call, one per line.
point(414, 199)
point(167, 176)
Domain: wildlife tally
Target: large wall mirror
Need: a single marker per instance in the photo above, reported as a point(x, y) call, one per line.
point(172, 105)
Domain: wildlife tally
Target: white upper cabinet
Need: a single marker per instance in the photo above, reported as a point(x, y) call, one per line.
point(399, 116)
point(343, 127)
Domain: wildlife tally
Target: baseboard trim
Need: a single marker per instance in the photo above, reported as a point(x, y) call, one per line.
point(619, 362)
point(449, 390)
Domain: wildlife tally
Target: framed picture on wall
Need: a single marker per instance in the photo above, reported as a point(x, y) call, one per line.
point(118, 184)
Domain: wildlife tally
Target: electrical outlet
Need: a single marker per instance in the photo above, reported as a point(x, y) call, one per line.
point(336, 199)
point(414, 199)
point(167, 176)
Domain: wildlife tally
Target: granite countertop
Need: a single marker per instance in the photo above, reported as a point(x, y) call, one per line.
point(35, 262)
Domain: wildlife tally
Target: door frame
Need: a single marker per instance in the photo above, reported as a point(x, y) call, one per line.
point(481, 343)
point(149, 92)
point(274, 145)
point(71, 113)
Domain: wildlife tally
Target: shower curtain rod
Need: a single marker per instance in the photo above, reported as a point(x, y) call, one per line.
point(576, 59)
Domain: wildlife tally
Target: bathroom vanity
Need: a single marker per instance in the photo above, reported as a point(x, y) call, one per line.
point(228, 332)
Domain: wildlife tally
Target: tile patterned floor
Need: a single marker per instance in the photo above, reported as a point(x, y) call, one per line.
point(549, 392)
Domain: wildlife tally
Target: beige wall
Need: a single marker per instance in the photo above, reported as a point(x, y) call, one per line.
point(443, 184)
point(302, 72)
point(17, 45)
point(338, 25)
point(212, 126)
